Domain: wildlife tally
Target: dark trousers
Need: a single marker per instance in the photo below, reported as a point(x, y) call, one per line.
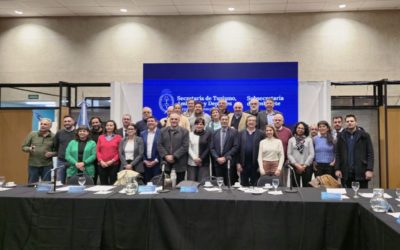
point(222, 171)
point(149, 173)
point(96, 172)
point(351, 178)
point(324, 168)
point(305, 177)
point(108, 175)
point(249, 176)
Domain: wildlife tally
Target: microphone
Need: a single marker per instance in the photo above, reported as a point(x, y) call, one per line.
point(291, 189)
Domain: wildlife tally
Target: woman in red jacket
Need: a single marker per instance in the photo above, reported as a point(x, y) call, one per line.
point(107, 154)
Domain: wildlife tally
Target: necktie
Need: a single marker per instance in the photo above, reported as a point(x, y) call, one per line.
point(223, 137)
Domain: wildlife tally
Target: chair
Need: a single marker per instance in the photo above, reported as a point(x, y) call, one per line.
point(268, 179)
point(211, 179)
point(73, 180)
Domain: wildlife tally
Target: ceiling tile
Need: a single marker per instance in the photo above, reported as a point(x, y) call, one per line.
point(380, 4)
point(263, 8)
point(194, 9)
point(54, 11)
point(88, 10)
point(304, 7)
point(40, 3)
point(223, 9)
point(110, 3)
point(192, 2)
point(83, 3)
point(153, 2)
point(158, 10)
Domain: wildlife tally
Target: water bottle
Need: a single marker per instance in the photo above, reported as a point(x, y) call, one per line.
point(173, 178)
point(378, 202)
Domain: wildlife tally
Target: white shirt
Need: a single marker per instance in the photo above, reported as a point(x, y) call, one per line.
point(129, 149)
point(193, 148)
point(150, 140)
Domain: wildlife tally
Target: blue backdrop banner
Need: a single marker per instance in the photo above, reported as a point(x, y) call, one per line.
point(169, 83)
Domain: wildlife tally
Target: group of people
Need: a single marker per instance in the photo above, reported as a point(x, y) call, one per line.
point(238, 146)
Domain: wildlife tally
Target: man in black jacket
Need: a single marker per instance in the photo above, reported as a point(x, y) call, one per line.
point(354, 155)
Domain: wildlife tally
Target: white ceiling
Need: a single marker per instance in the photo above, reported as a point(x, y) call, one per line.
point(182, 7)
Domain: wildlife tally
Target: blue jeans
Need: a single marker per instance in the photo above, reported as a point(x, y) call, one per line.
point(35, 172)
point(61, 172)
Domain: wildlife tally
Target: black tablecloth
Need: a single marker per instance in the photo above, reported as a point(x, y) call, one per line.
point(203, 220)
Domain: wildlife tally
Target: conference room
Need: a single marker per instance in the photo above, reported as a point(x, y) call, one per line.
point(317, 59)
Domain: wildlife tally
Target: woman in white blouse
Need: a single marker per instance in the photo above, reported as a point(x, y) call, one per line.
point(271, 155)
point(301, 154)
point(131, 151)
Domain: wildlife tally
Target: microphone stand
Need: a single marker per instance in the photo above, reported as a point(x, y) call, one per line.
point(162, 179)
point(54, 190)
point(229, 174)
point(291, 189)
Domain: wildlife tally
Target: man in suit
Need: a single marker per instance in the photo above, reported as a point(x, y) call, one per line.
point(151, 159)
point(267, 116)
point(173, 147)
point(223, 148)
point(142, 124)
point(354, 154)
point(249, 143)
point(126, 120)
point(238, 118)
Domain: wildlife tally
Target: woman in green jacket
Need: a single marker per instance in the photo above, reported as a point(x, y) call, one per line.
point(81, 153)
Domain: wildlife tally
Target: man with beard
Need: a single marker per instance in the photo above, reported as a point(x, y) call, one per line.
point(198, 113)
point(337, 122)
point(267, 116)
point(254, 107)
point(223, 107)
point(61, 140)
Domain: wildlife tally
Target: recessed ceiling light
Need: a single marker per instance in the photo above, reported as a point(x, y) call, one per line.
point(18, 12)
point(342, 6)
point(231, 9)
point(123, 10)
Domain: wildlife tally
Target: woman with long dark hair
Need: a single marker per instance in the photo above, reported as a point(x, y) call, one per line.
point(107, 153)
point(324, 147)
point(301, 154)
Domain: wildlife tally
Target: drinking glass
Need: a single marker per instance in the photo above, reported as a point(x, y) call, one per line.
point(275, 184)
point(220, 181)
point(355, 185)
point(398, 195)
point(2, 180)
point(81, 180)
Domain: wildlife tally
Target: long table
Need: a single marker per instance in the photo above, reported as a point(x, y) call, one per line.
point(203, 220)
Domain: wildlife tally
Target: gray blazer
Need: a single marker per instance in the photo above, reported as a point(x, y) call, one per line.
point(138, 152)
point(174, 142)
point(262, 118)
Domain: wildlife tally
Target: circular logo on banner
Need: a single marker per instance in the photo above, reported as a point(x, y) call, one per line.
point(166, 99)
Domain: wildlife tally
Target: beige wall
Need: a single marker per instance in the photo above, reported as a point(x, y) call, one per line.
point(328, 46)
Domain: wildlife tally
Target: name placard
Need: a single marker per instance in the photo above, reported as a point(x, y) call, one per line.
point(331, 196)
point(189, 189)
